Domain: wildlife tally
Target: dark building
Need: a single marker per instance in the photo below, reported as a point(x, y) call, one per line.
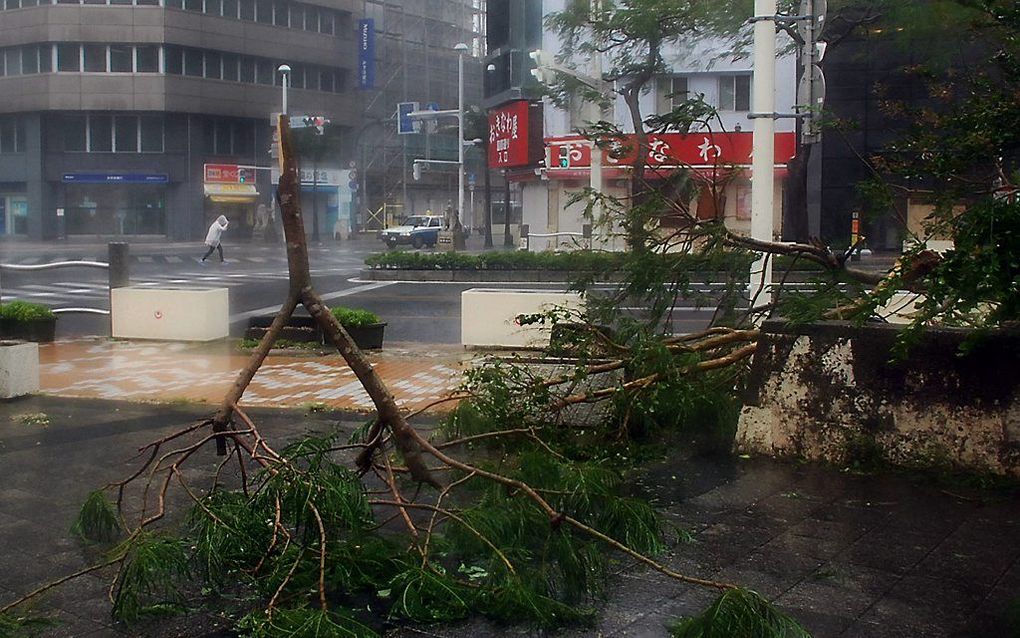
point(111, 109)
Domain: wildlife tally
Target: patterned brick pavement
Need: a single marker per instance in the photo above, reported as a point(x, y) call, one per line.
point(166, 372)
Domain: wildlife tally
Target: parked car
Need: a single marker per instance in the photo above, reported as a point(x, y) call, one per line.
point(417, 230)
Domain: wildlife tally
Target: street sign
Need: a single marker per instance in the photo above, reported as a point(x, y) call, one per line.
point(810, 30)
point(405, 125)
point(811, 98)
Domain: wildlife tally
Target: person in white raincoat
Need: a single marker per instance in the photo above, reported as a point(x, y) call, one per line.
point(212, 238)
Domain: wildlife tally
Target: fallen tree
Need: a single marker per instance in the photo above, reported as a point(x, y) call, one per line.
point(494, 513)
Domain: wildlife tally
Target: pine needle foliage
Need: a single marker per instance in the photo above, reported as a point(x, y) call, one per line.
point(739, 613)
point(304, 623)
point(97, 521)
point(14, 625)
point(151, 579)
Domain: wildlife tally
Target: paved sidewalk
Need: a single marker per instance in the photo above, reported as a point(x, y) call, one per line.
point(850, 556)
point(100, 368)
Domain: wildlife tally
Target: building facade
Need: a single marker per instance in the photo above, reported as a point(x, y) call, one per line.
point(704, 68)
point(417, 63)
point(113, 111)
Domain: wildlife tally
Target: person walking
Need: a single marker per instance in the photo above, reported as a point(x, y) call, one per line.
point(212, 238)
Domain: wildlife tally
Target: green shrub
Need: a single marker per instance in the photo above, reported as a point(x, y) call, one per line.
point(25, 311)
point(354, 317)
point(575, 261)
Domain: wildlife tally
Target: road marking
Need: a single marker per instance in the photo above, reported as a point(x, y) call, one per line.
point(173, 259)
point(270, 310)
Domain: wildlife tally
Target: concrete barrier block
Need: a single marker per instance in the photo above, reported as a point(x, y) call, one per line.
point(169, 314)
point(19, 368)
point(488, 316)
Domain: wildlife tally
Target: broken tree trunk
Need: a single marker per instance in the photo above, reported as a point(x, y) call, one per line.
point(301, 290)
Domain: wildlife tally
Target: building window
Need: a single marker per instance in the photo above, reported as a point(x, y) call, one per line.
point(193, 62)
point(113, 134)
point(147, 59)
point(126, 134)
point(264, 11)
point(193, 5)
point(670, 92)
point(69, 57)
point(281, 15)
point(735, 93)
point(151, 134)
point(230, 67)
point(247, 9)
point(213, 65)
point(297, 16)
point(174, 60)
point(230, 9)
point(121, 58)
point(74, 134)
point(12, 135)
point(30, 59)
point(94, 56)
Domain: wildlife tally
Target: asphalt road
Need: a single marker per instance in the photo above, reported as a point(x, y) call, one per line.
point(256, 276)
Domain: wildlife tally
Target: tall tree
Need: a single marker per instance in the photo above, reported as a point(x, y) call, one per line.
point(631, 36)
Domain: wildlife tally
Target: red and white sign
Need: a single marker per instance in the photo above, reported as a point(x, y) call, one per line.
point(697, 150)
point(508, 135)
point(222, 174)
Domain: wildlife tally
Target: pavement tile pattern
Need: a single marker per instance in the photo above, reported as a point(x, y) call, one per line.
point(162, 372)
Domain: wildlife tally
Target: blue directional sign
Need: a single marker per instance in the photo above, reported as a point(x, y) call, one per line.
point(115, 178)
point(405, 125)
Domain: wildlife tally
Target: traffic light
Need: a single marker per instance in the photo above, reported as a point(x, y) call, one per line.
point(564, 156)
point(242, 175)
point(416, 171)
point(315, 121)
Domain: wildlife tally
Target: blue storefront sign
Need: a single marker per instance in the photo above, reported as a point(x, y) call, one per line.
point(366, 53)
point(116, 178)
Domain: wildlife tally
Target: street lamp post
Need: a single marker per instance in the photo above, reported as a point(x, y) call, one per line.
point(461, 49)
point(763, 156)
point(284, 70)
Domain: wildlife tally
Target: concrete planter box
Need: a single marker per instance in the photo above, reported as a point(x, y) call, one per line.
point(367, 337)
point(171, 314)
point(488, 316)
point(829, 391)
point(19, 368)
point(38, 330)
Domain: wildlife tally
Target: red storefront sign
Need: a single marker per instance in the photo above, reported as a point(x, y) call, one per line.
point(509, 128)
point(222, 174)
point(675, 149)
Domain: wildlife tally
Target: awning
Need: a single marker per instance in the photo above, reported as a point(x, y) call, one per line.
point(231, 193)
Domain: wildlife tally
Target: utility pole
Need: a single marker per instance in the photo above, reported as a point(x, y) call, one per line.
point(763, 154)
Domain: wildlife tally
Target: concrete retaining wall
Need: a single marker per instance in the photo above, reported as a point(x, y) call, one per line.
point(830, 392)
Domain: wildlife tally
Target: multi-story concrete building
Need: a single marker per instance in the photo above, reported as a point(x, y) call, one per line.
point(111, 109)
point(417, 63)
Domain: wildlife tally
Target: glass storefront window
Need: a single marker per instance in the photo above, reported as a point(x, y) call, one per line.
point(115, 209)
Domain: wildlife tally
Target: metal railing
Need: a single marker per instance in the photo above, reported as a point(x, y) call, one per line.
point(584, 236)
point(117, 267)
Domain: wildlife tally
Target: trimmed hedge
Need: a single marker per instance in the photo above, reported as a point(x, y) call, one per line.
point(354, 317)
point(575, 261)
point(25, 311)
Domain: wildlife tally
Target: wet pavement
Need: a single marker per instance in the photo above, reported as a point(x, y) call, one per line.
point(179, 372)
point(848, 555)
